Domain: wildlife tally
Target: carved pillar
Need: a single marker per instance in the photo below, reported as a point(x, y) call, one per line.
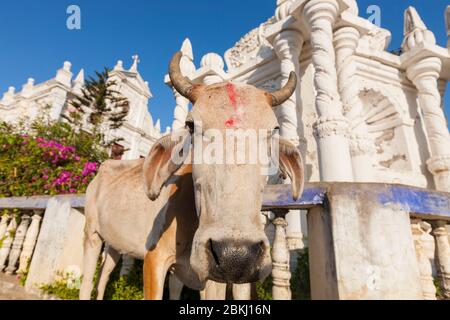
point(424, 74)
point(426, 277)
point(280, 256)
point(288, 45)
point(16, 247)
point(127, 265)
point(30, 242)
point(361, 146)
point(442, 256)
point(332, 128)
point(7, 241)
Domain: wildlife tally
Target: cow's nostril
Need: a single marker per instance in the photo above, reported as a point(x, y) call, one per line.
point(213, 252)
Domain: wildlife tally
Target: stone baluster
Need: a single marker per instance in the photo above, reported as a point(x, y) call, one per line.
point(332, 128)
point(442, 256)
point(424, 72)
point(7, 241)
point(425, 269)
point(16, 247)
point(30, 242)
point(281, 274)
point(127, 265)
point(3, 225)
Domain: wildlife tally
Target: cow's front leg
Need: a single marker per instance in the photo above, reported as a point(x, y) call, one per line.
point(156, 266)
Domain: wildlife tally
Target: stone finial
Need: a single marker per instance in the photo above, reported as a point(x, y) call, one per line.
point(64, 75)
point(78, 83)
point(212, 60)
point(28, 87)
point(134, 67)
point(119, 66)
point(168, 130)
point(187, 61)
point(158, 125)
point(8, 96)
point(186, 48)
point(67, 66)
point(415, 31)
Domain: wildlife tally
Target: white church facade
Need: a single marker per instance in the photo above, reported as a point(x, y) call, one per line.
point(139, 132)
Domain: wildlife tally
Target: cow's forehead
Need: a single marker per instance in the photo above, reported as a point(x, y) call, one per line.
point(232, 106)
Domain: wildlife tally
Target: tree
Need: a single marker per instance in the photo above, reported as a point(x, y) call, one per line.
point(99, 106)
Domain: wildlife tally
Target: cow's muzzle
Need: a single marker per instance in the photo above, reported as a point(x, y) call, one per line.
point(234, 261)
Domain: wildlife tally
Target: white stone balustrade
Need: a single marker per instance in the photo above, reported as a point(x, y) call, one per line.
point(16, 247)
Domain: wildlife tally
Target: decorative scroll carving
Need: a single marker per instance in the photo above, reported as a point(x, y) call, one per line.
point(250, 46)
point(331, 126)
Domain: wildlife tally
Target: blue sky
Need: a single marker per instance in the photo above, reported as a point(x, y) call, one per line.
point(35, 40)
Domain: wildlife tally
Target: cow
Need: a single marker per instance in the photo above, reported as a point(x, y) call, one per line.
point(201, 220)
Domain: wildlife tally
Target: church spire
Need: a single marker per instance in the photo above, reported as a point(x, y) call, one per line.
point(134, 67)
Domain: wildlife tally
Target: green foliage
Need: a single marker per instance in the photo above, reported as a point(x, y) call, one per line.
point(100, 105)
point(49, 159)
point(437, 284)
point(126, 287)
point(60, 289)
point(300, 284)
point(264, 289)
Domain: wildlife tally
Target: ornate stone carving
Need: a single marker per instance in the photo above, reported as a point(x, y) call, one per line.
point(16, 247)
point(443, 255)
point(415, 31)
point(331, 126)
point(250, 46)
point(377, 39)
point(361, 145)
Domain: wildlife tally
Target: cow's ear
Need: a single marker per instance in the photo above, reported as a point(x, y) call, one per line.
point(166, 156)
point(291, 165)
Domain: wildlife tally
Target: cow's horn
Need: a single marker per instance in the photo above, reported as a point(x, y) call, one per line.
point(280, 96)
point(182, 84)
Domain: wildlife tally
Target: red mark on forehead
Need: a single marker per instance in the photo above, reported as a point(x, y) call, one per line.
point(230, 123)
point(231, 90)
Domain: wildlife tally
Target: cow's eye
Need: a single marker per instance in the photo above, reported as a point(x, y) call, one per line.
point(190, 125)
